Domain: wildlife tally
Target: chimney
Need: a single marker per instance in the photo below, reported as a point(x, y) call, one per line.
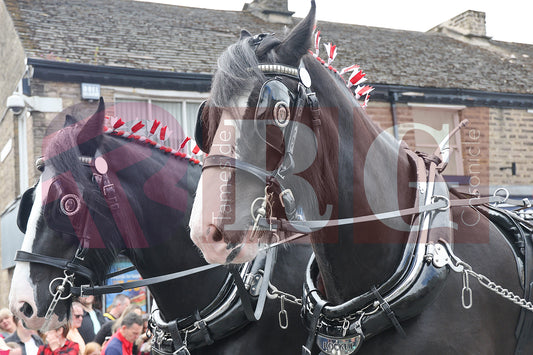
point(274, 11)
point(468, 25)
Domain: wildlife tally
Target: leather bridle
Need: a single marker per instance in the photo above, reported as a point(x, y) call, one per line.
point(63, 288)
point(274, 179)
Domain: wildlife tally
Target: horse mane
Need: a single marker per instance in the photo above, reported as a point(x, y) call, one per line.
point(237, 71)
point(238, 74)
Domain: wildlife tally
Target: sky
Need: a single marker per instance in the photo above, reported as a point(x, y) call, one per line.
point(508, 20)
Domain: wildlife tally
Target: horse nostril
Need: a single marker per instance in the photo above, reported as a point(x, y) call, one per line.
point(26, 309)
point(214, 233)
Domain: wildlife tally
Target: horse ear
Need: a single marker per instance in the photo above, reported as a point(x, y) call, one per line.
point(267, 43)
point(245, 34)
point(90, 136)
point(69, 120)
point(299, 40)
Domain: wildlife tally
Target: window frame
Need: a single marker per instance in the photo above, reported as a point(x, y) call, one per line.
point(455, 143)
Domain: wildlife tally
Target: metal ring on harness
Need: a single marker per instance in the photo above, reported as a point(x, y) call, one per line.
point(495, 194)
point(435, 198)
point(61, 288)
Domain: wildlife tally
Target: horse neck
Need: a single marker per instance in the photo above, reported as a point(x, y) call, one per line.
point(374, 174)
point(160, 190)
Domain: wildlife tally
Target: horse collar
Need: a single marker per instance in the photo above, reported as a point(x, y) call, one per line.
point(342, 328)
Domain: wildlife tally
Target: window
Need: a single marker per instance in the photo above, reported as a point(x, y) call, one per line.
point(443, 119)
point(177, 113)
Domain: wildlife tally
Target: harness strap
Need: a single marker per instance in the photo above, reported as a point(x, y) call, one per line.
point(525, 321)
point(280, 224)
point(388, 311)
point(246, 299)
point(202, 327)
point(86, 290)
point(179, 345)
point(317, 312)
point(60, 263)
point(218, 161)
point(120, 272)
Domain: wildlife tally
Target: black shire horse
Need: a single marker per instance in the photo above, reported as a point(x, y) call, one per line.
point(278, 117)
point(101, 194)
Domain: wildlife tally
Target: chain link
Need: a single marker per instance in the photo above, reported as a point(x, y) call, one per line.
point(466, 293)
point(274, 293)
point(503, 292)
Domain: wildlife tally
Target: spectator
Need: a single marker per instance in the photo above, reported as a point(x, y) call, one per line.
point(28, 340)
point(7, 323)
point(58, 344)
point(109, 328)
point(92, 348)
point(9, 348)
point(4, 349)
point(14, 348)
point(76, 312)
point(92, 319)
point(120, 302)
point(121, 343)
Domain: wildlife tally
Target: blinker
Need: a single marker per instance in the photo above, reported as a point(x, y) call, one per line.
point(25, 205)
point(198, 130)
point(274, 103)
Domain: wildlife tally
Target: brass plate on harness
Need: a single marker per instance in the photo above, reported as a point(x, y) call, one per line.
point(339, 346)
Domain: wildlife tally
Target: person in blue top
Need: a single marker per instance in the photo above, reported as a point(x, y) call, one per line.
point(121, 343)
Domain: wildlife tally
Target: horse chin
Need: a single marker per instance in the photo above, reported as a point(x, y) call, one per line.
point(41, 325)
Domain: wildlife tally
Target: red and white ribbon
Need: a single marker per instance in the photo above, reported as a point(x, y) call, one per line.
point(356, 78)
point(331, 49)
point(349, 69)
point(317, 43)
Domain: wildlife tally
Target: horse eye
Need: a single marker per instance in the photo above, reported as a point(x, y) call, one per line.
point(39, 164)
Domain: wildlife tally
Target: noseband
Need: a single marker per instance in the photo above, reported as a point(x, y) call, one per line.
point(275, 179)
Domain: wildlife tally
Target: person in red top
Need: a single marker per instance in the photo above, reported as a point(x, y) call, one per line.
point(121, 343)
point(58, 344)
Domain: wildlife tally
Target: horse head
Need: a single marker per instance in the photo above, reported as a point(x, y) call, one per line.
point(260, 132)
point(59, 217)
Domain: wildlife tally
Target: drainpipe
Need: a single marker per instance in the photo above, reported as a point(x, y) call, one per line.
point(23, 150)
point(393, 99)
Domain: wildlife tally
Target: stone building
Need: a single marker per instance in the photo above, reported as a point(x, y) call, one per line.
point(166, 55)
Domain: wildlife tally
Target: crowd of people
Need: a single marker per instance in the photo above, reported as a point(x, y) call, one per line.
point(120, 331)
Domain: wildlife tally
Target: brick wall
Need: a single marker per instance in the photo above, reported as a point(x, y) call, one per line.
point(494, 138)
point(511, 140)
point(475, 146)
point(11, 58)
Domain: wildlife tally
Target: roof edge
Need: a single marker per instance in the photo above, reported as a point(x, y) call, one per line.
point(164, 80)
point(119, 76)
point(450, 96)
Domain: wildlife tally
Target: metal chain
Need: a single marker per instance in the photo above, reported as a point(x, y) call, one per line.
point(466, 292)
point(487, 283)
point(274, 293)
